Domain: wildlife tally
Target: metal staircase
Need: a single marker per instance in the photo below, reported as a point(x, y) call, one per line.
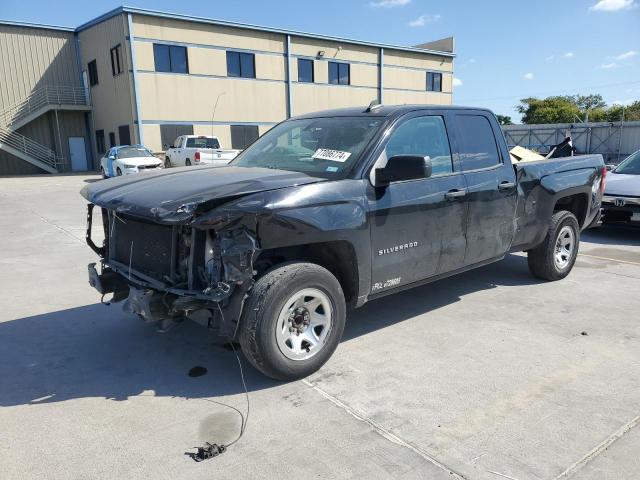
point(36, 104)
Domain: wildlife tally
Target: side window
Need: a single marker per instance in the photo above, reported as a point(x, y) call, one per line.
point(305, 70)
point(116, 62)
point(434, 82)
point(424, 136)
point(170, 58)
point(339, 73)
point(478, 148)
point(177, 142)
point(241, 64)
point(92, 69)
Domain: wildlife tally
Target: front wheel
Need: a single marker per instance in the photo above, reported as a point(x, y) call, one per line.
point(167, 162)
point(553, 259)
point(293, 320)
point(187, 162)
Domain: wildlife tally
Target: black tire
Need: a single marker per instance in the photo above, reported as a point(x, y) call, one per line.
point(118, 172)
point(260, 315)
point(542, 262)
point(103, 173)
point(167, 162)
point(187, 162)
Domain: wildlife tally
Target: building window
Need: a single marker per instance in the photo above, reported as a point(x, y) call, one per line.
point(434, 82)
point(305, 70)
point(116, 60)
point(243, 135)
point(169, 133)
point(170, 58)
point(112, 139)
point(240, 64)
point(92, 67)
point(125, 135)
point(100, 141)
point(339, 73)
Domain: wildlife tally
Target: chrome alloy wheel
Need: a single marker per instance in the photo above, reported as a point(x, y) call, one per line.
point(565, 244)
point(304, 324)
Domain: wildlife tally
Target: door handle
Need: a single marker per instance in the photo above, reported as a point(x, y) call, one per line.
point(506, 186)
point(453, 194)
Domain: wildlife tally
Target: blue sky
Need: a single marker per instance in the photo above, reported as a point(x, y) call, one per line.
point(506, 50)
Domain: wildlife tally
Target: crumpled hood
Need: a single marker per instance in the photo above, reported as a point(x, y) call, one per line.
point(622, 184)
point(175, 195)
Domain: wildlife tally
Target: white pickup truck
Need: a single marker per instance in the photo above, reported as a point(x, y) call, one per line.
point(190, 150)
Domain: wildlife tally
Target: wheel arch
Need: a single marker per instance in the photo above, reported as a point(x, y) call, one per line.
point(339, 257)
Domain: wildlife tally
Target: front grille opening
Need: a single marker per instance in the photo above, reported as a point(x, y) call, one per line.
point(144, 246)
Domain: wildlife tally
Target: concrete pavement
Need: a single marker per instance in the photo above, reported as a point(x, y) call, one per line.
point(486, 375)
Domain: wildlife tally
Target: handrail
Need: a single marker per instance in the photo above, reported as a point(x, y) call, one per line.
point(47, 95)
point(29, 147)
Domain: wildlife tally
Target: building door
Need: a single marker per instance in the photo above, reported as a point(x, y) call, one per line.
point(78, 154)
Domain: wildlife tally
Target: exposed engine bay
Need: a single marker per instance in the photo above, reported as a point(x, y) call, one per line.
point(168, 273)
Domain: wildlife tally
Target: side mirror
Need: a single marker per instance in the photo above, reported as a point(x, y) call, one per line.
point(112, 157)
point(403, 167)
point(610, 166)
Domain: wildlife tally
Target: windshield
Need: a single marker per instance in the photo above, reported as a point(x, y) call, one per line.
point(630, 165)
point(327, 147)
point(203, 142)
point(133, 152)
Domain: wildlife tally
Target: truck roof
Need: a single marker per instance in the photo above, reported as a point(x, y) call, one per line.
point(385, 110)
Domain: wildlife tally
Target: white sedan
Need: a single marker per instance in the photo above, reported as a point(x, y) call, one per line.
point(126, 160)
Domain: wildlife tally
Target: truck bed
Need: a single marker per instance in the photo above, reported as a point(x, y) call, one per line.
point(541, 182)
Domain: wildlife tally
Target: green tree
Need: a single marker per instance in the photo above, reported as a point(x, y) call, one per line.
point(558, 109)
point(631, 112)
point(504, 120)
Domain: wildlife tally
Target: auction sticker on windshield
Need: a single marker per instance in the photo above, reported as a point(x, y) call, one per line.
point(333, 155)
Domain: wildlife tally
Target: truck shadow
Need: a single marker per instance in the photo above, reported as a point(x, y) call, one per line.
point(98, 351)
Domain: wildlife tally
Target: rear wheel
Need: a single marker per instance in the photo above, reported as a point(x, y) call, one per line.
point(103, 173)
point(167, 162)
point(554, 258)
point(187, 162)
point(293, 320)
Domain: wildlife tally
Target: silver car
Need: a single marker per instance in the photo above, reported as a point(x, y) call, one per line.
point(621, 199)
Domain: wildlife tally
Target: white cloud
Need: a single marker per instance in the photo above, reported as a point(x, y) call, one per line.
point(422, 20)
point(613, 5)
point(569, 54)
point(607, 66)
point(550, 57)
point(457, 82)
point(389, 3)
point(626, 55)
point(528, 76)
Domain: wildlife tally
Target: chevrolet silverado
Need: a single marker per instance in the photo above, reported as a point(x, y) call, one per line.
point(331, 210)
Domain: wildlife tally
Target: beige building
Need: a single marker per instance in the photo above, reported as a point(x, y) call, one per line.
point(142, 76)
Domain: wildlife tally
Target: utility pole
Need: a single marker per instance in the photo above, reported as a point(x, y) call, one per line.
point(213, 114)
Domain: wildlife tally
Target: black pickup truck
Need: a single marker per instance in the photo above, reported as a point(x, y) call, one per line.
point(327, 211)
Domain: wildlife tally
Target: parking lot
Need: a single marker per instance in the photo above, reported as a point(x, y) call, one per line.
point(491, 374)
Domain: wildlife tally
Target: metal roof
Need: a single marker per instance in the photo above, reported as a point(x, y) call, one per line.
point(223, 23)
point(37, 25)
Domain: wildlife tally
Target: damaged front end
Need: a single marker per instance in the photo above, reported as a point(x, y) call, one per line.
point(171, 272)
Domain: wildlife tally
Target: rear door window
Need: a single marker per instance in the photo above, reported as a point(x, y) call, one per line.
point(477, 143)
point(202, 143)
